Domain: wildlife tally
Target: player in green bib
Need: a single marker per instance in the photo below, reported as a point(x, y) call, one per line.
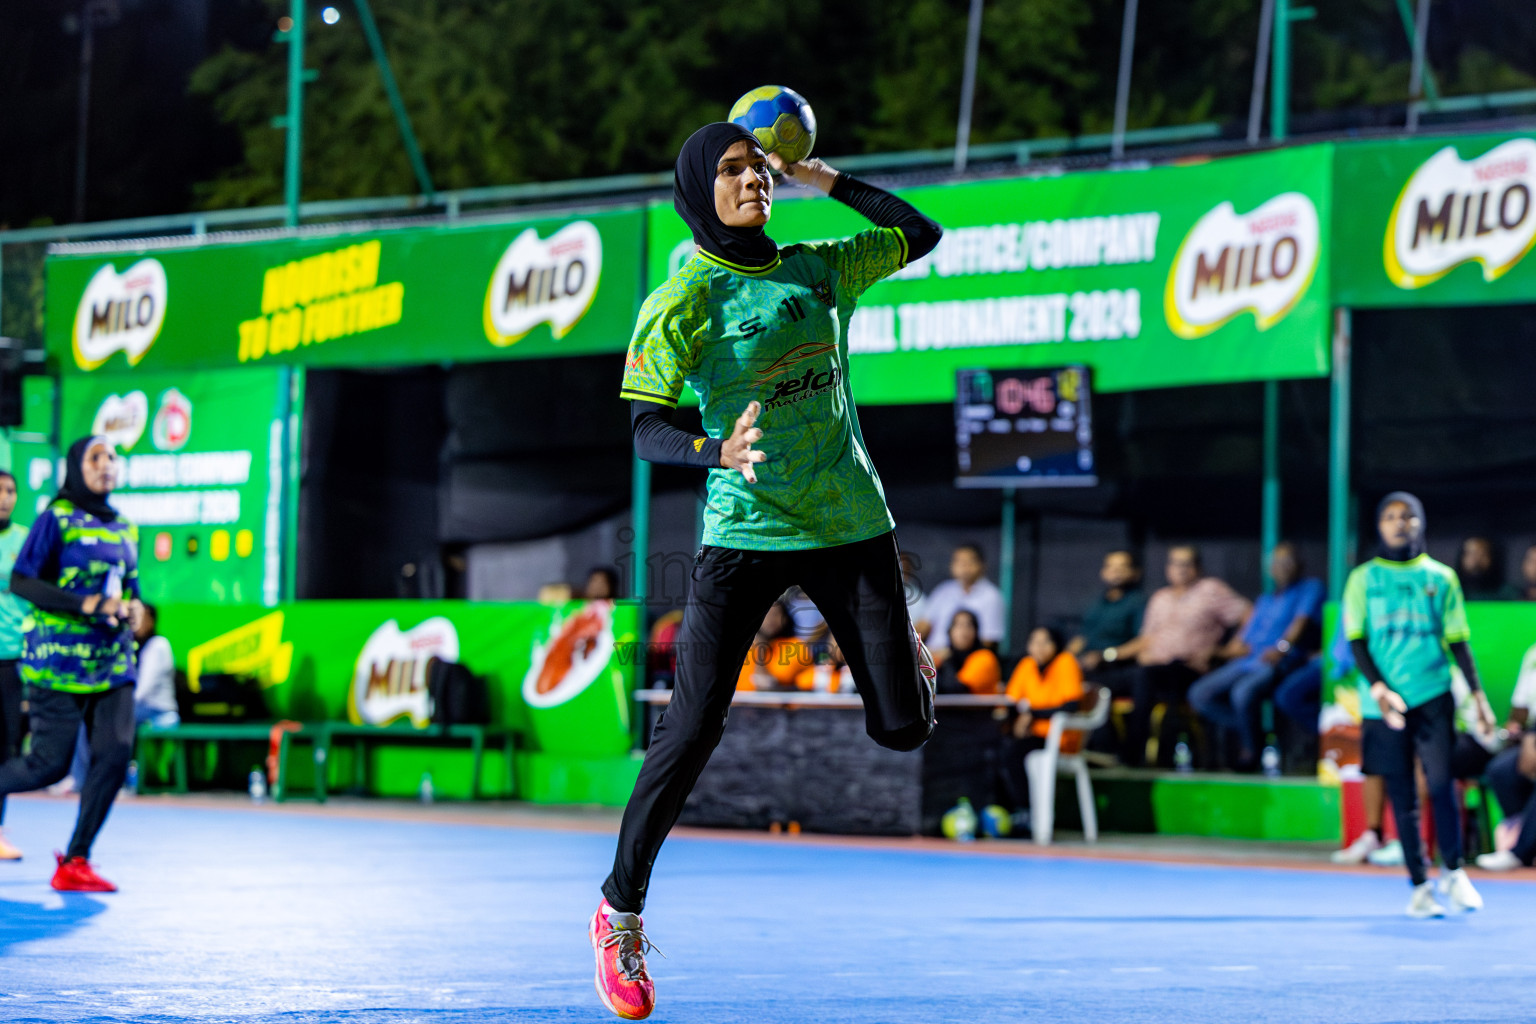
point(1405, 618)
point(12, 611)
point(761, 335)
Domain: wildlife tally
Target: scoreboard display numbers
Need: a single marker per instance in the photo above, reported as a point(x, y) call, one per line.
point(1024, 428)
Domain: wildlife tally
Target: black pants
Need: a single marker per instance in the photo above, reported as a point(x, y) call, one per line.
point(1015, 778)
point(1153, 684)
point(11, 721)
point(1517, 795)
point(56, 717)
point(1431, 733)
point(857, 587)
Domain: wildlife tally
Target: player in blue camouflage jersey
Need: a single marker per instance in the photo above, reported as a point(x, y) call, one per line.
point(760, 333)
point(79, 569)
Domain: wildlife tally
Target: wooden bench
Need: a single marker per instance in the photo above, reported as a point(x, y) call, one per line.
point(179, 736)
point(359, 736)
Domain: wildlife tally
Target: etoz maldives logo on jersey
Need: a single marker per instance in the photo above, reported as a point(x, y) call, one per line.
point(790, 385)
point(544, 280)
point(119, 313)
point(1259, 262)
point(1453, 211)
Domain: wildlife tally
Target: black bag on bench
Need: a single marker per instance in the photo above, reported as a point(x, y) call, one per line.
point(221, 697)
point(459, 697)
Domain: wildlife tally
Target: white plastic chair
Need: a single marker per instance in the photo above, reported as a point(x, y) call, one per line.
point(1042, 767)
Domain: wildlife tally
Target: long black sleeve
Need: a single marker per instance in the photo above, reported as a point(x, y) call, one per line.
point(46, 595)
point(657, 440)
point(1462, 652)
point(1365, 663)
point(888, 211)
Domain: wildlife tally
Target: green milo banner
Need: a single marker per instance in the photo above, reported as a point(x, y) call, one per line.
point(563, 676)
point(201, 475)
point(551, 286)
point(1193, 274)
point(1436, 222)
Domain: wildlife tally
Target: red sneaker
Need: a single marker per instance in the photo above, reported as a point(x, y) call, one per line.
point(75, 874)
point(619, 942)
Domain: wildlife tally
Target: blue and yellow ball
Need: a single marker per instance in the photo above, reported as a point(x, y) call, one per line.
point(781, 120)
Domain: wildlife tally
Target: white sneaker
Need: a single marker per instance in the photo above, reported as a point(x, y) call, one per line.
point(1356, 852)
point(1459, 893)
point(1423, 904)
point(1504, 860)
point(1389, 856)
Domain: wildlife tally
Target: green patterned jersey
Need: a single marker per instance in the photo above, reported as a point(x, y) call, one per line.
point(78, 552)
point(13, 610)
point(1407, 612)
point(779, 335)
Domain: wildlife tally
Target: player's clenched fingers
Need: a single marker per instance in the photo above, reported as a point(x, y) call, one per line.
point(752, 436)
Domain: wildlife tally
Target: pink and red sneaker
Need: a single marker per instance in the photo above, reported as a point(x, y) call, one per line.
point(620, 945)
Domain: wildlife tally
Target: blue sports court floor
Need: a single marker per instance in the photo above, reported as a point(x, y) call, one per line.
point(264, 914)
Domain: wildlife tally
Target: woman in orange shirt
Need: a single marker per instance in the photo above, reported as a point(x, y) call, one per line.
point(968, 667)
point(1047, 681)
point(775, 657)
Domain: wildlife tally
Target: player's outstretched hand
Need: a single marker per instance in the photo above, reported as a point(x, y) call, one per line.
point(1392, 705)
point(737, 452)
point(813, 172)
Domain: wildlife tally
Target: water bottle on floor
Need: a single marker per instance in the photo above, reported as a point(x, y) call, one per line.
point(1183, 759)
point(1269, 760)
point(257, 786)
point(131, 779)
point(425, 792)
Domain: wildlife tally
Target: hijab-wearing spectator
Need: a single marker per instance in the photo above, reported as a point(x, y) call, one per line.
point(970, 589)
point(1047, 681)
point(968, 667)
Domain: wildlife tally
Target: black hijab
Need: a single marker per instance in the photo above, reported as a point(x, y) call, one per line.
point(1415, 547)
point(74, 490)
point(948, 680)
point(693, 194)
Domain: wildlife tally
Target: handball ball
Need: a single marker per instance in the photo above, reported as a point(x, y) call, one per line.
point(781, 120)
point(996, 822)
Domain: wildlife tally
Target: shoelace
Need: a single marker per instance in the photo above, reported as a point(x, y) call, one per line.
point(633, 945)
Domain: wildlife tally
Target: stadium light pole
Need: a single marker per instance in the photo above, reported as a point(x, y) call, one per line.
point(293, 121)
point(1123, 85)
point(1416, 76)
point(1260, 71)
point(1280, 76)
point(640, 522)
point(968, 86)
point(396, 102)
point(1339, 500)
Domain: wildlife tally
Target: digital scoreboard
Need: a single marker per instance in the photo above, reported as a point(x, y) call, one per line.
point(1024, 428)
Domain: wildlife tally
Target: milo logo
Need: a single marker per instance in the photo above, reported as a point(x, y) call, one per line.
point(390, 680)
point(543, 280)
point(1454, 211)
point(119, 313)
point(1259, 262)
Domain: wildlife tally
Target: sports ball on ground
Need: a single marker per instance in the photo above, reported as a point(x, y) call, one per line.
point(781, 120)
